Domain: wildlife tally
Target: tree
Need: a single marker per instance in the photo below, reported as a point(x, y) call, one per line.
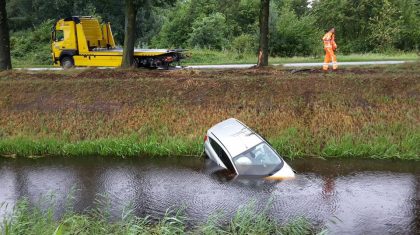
point(179, 22)
point(263, 50)
point(300, 7)
point(293, 35)
point(5, 60)
point(129, 33)
point(409, 37)
point(241, 17)
point(209, 32)
point(384, 27)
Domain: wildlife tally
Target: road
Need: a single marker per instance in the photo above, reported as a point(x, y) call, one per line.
point(246, 66)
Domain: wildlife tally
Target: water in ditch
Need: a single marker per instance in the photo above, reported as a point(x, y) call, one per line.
point(343, 196)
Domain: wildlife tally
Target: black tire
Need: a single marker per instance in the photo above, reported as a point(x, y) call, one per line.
point(67, 62)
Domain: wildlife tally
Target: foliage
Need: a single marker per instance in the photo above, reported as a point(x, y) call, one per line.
point(245, 43)
point(240, 17)
point(131, 146)
point(384, 27)
point(23, 46)
point(209, 32)
point(178, 23)
point(300, 7)
point(33, 218)
point(409, 36)
point(25, 14)
point(246, 17)
point(294, 36)
point(362, 26)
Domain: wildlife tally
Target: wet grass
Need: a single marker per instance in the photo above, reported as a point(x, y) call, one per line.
point(290, 144)
point(206, 57)
point(370, 112)
point(131, 146)
point(210, 57)
point(28, 219)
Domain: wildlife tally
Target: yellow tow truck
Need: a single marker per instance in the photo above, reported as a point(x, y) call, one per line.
point(83, 41)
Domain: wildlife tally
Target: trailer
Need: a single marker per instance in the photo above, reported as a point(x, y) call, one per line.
point(84, 42)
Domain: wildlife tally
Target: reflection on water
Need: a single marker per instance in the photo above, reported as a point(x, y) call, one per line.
point(346, 196)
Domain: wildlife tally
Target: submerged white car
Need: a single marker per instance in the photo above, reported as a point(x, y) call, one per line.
point(234, 146)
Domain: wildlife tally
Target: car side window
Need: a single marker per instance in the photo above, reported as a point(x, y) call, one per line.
point(222, 155)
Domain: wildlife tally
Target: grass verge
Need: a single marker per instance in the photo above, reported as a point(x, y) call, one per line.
point(213, 57)
point(208, 57)
point(370, 112)
point(28, 219)
point(290, 144)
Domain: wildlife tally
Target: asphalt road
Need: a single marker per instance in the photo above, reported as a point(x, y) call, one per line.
point(246, 66)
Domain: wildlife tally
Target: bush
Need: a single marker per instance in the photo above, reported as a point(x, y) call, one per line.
point(245, 43)
point(210, 32)
point(384, 28)
point(32, 46)
point(294, 36)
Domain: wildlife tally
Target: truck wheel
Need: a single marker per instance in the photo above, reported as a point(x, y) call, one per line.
point(67, 62)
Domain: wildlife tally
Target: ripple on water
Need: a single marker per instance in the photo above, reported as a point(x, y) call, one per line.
point(351, 198)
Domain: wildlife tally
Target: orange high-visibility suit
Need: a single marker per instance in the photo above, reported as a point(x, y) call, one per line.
point(329, 47)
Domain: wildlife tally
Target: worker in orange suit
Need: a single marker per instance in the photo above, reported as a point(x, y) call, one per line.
point(330, 47)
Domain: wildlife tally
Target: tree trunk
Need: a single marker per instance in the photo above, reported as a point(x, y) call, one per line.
point(129, 34)
point(263, 51)
point(5, 60)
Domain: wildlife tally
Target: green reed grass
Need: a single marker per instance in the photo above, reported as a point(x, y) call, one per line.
point(294, 142)
point(291, 143)
point(120, 147)
point(29, 219)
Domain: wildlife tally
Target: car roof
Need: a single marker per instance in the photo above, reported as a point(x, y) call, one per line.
point(235, 136)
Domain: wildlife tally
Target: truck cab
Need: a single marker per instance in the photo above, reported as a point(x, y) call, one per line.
point(83, 41)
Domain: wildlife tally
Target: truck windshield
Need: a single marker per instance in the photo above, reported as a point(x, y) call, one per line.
point(58, 36)
point(259, 160)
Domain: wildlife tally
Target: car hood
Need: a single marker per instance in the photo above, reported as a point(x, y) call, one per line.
point(286, 172)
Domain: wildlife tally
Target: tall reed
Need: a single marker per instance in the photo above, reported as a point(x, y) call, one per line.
point(35, 219)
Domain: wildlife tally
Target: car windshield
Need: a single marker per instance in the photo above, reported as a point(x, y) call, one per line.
point(259, 160)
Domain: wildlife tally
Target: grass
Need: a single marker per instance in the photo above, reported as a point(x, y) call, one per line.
point(28, 219)
point(366, 113)
point(205, 57)
point(209, 57)
point(28, 64)
point(290, 145)
point(121, 147)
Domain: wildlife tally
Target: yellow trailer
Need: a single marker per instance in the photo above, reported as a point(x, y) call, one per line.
point(82, 41)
